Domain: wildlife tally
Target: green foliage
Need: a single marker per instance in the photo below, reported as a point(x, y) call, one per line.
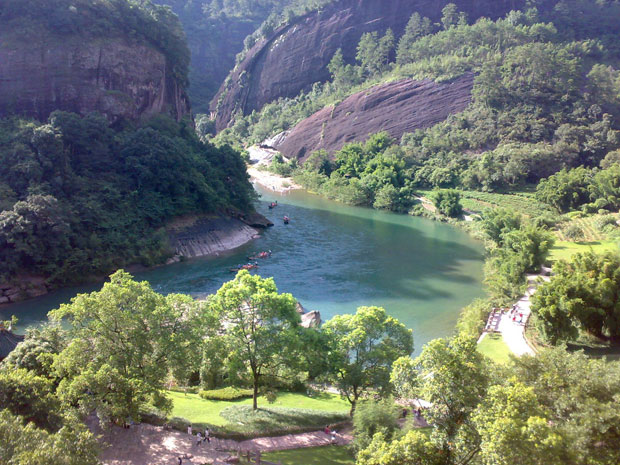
point(514, 427)
point(25, 444)
point(125, 340)
point(555, 407)
point(414, 448)
point(581, 409)
point(36, 352)
point(87, 198)
point(363, 348)
point(454, 377)
point(373, 52)
point(450, 16)
point(227, 393)
point(416, 28)
point(24, 393)
point(372, 417)
point(517, 247)
point(259, 327)
point(448, 202)
point(472, 318)
point(566, 190)
point(582, 296)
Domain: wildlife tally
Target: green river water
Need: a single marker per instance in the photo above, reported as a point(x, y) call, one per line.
point(334, 258)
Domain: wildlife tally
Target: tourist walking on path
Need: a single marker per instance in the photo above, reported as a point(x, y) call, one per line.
point(198, 438)
point(207, 435)
point(189, 430)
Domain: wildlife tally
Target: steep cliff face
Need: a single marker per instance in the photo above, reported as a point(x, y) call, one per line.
point(396, 107)
point(117, 77)
point(297, 55)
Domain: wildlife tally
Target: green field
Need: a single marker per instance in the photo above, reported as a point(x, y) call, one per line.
point(564, 250)
point(494, 347)
point(329, 455)
point(290, 410)
point(522, 201)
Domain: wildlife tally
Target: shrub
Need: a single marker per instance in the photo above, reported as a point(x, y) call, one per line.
point(606, 223)
point(474, 317)
point(227, 393)
point(372, 417)
point(574, 232)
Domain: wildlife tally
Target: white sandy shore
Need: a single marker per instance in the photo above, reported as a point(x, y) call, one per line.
point(272, 181)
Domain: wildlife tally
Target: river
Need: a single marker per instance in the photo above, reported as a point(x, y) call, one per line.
point(334, 258)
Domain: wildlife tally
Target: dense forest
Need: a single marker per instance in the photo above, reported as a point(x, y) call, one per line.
point(80, 196)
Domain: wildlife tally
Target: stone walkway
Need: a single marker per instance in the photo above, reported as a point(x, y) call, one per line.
point(145, 444)
point(512, 323)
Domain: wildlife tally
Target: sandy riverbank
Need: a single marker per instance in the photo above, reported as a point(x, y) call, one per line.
point(272, 181)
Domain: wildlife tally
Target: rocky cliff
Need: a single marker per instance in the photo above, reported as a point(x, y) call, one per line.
point(297, 55)
point(396, 107)
point(117, 77)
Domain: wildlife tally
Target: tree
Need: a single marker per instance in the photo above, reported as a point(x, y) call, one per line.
point(363, 348)
point(450, 16)
point(500, 221)
point(515, 428)
point(416, 28)
point(404, 378)
point(454, 378)
point(372, 417)
point(566, 190)
point(579, 396)
point(582, 295)
point(260, 326)
point(37, 351)
point(415, 448)
point(24, 393)
point(125, 340)
point(448, 202)
point(373, 53)
point(25, 444)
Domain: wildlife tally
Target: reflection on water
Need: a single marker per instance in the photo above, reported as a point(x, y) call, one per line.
point(334, 258)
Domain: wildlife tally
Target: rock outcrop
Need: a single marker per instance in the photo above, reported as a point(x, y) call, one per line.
point(117, 77)
point(204, 236)
point(297, 55)
point(396, 107)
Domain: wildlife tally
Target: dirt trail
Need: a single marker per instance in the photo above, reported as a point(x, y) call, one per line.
point(145, 444)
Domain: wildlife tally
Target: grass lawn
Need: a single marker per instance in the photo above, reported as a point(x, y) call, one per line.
point(305, 411)
point(494, 347)
point(565, 250)
point(328, 455)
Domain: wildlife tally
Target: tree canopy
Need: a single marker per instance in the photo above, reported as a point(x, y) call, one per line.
point(260, 328)
point(363, 347)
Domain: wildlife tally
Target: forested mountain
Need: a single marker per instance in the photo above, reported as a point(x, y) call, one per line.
point(297, 53)
point(545, 96)
point(87, 190)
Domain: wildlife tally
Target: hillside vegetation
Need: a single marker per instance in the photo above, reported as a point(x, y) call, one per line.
point(80, 198)
point(545, 97)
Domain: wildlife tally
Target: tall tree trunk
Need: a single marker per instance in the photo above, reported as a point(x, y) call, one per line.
point(255, 394)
